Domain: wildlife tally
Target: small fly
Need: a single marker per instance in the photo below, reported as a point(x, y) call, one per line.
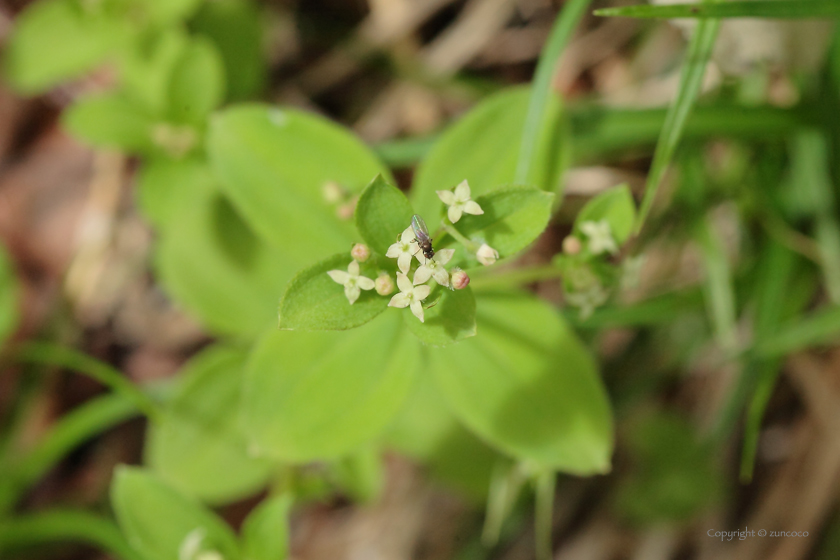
point(421, 236)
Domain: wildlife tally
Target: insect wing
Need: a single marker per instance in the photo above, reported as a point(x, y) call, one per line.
point(421, 232)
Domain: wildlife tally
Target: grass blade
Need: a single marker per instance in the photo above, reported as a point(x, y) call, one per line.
point(777, 9)
point(51, 354)
point(699, 51)
point(719, 293)
point(821, 328)
point(561, 32)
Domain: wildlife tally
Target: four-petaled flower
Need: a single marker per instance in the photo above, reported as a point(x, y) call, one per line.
point(352, 281)
point(410, 295)
point(600, 237)
point(459, 202)
point(433, 268)
point(402, 250)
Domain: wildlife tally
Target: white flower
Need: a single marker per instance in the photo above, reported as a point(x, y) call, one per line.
point(459, 201)
point(486, 254)
point(588, 300)
point(352, 281)
point(410, 295)
point(402, 250)
point(600, 237)
point(433, 268)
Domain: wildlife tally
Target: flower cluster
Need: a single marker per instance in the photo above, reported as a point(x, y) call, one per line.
point(459, 202)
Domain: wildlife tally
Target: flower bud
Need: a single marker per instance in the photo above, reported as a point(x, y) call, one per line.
point(383, 284)
point(345, 211)
point(486, 254)
point(333, 192)
point(459, 279)
point(360, 252)
point(572, 245)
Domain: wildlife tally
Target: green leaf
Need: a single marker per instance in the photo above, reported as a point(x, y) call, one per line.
point(234, 27)
point(383, 212)
point(55, 40)
point(320, 395)
point(197, 83)
point(147, 69)
point(528, 386)
point(513, 218)
point(315, 302)
point(691, 80)
point(9, 313)
point(614, 205)
point(265, 533)
point(113, 121)
point(427, 431)
point(210, 261)
point(157, 519)
point(197, 447)
point(483, 148)
point(779, 9)
point(360, 474)
point(166, 186)
point(450, 319)
point(167, 11)
point(273, 164)
point(820, 328)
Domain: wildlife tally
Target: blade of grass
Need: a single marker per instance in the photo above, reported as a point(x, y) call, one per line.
point(810, 172)
point(64, 525)
point(75, 427)
point(561, 33)
point(777, 9)
point(718, 290)
point(691, 80)
point(821, 328)
point(51, 354)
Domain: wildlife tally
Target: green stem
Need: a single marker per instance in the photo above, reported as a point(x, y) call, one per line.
point(505, 485)
point(64, 525)
point(561, 32)
point(544, 510)
point(515, 277)
point(51, 354)
point(471, 246)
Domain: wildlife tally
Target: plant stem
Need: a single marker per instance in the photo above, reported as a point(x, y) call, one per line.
point(505, 485)
point(516, 277)
point(544, 509)
point(561, 32)
point(471, 246)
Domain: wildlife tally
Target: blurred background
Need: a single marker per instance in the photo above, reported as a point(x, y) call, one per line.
point(397, 72)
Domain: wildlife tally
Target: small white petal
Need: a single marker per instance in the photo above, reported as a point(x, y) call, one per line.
point(403, 283)
point(441, 276)
point(422, 275)
point(365, 283)
point(454, 213)
point(404, 262)
point(407, 235)
point(394, 250)
point(353, 268)
point(417, 309)
point(422, 292)
point(400, 300)
point(352, 293)
point(444, 255)
point(462, 191)
point(446, 197)
point(339, 276)
point(472, 207)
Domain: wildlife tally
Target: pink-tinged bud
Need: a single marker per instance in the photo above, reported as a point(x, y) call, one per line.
point(486, 254)
point(345, 211)
point(459, 279)
point(360, 252)
point(333, 192)
point(572, 245)
point(383, 284)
